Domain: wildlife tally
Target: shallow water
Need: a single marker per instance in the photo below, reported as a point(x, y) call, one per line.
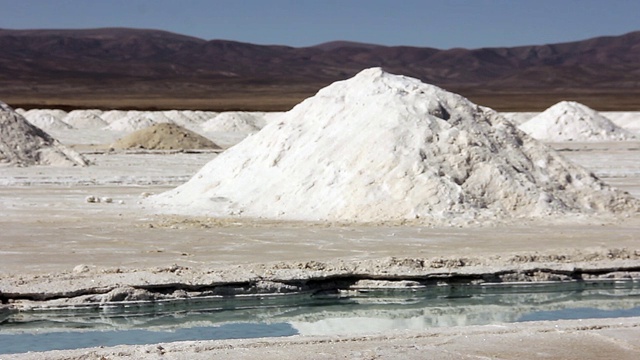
point(329, 314)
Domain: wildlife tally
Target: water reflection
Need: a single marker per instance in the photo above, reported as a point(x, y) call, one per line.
point(348, 313)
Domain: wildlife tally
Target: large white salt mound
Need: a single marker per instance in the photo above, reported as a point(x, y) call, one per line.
point(231, 121)
point(22, 143)
point(381, 147)
point(85, 119)
point(47, 119)
point(572, 121)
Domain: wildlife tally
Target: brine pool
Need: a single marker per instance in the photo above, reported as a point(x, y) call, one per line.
point(353, 313)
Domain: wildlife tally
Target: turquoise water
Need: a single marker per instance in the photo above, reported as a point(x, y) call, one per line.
point(329, 314)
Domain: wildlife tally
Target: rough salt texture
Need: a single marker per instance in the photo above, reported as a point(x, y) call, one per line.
point(164, 137)
point(572, 121)
point(23, 144)
point(381, 147)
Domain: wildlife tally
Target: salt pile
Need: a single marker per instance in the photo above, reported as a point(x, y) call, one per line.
point(572, 121)
point(47, 119)
point(164, 137)
point(85, 119)
point(191, 116)
point(22, 143)
point(58, 113)
point(380, 147)
point(134, 120)
point(189, 119)
point(628, 120)
point(110, 116)
point(235, 121)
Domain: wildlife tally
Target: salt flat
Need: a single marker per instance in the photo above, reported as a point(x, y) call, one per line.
point(59, 248)
point(38, 204)
point(49, 229)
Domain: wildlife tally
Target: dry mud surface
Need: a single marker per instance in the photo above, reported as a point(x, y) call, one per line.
point(57, 249)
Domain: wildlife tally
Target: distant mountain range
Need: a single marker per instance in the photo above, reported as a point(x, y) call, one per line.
point(146, 64)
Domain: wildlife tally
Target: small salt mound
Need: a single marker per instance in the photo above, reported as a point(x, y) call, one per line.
point(47, 119)
point(85, 119)
point(23, 144)
point(381, 147)
point(184, 118)
point(134, 120)
point(518, 118)
point(198, 116)
point(235, 121)
point(190, 119)
point(572, 121)
point(164, 137)
point(110, 116)
point(628, 120)
point(60, 114)
point(157, 117)
point(181, 118)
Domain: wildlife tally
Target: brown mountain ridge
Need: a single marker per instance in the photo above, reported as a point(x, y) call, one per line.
point(136, 68)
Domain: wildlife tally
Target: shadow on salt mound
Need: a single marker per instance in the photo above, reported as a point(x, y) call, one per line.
point(572, 121)
point(381, 147)
point(164, 136)
point(23, 144)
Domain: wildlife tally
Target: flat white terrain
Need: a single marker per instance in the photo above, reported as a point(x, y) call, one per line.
point(65, 229)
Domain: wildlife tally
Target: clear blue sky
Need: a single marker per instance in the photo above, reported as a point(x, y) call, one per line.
point(441, 24)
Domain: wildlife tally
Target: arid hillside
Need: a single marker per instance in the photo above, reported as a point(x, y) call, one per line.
point(131, 68)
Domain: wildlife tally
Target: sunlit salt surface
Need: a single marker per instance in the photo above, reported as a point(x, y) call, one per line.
point(346, 313)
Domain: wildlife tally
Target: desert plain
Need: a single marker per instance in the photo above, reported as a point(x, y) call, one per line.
point(73, 236)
